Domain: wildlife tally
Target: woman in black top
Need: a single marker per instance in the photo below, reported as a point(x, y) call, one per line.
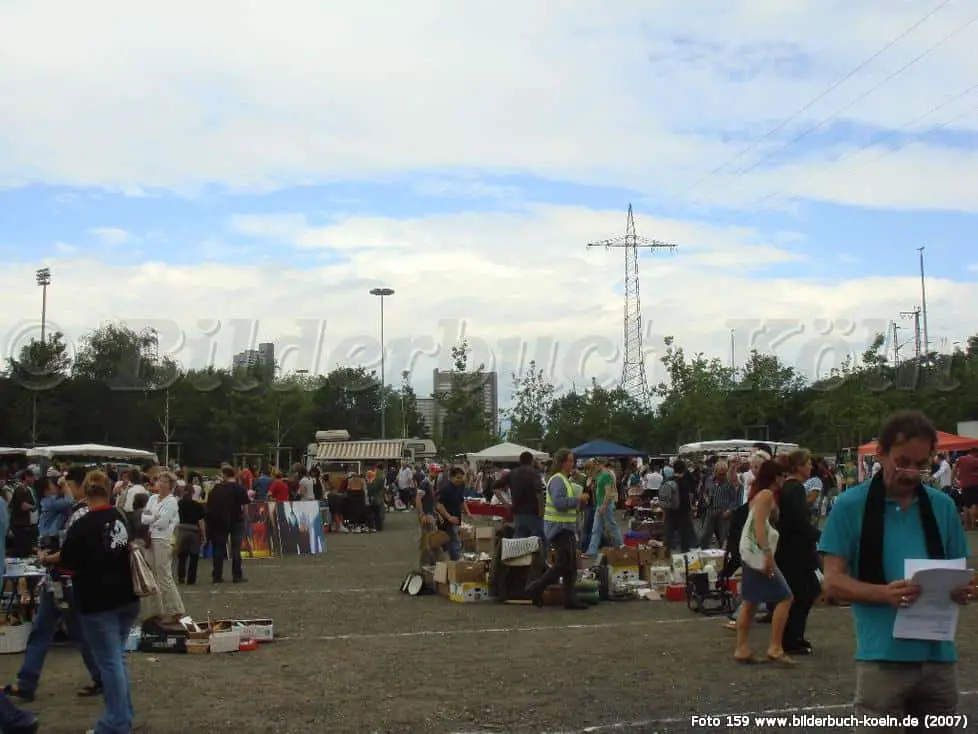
point(190, 537)
point(96, 547)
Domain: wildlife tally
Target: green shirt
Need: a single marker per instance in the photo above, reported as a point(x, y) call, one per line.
point(602, 485)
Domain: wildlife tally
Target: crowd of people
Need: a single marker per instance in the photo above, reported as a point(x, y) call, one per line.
point(793, 527)
point(84, 525)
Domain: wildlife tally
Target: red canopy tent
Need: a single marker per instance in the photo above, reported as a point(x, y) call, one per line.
point(945, 442)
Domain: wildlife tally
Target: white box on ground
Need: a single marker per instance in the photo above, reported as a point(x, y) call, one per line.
point(225, 641)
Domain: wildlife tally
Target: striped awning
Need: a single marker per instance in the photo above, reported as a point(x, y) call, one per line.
point(360, 451)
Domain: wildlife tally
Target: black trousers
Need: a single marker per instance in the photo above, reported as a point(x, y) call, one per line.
point(187, 568)
point(682, 524)
point(564, 545)
point(219, 545)
point(805, 589)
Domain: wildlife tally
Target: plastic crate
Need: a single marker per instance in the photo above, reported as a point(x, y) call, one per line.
point(13, 638)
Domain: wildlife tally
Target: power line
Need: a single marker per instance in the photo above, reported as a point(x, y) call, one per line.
point(754, 208)
point(821, 95)
point(849, 105)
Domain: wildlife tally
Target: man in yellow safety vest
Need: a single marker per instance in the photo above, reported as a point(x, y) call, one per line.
point(563, 499)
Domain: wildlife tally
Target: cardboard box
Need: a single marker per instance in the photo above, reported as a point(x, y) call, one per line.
point(466, 572)
point(618, 575)
point(443, 589)
point(163, 643)
point(659, 575)
point(262, 630)
point(225, 642)
point(469, 592)
point(621, 557)
point(485, 539)
point(441, 572)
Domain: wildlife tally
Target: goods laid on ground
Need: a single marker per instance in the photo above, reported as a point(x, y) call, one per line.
point(175, 634)
point(694, 577)
point(23, 580)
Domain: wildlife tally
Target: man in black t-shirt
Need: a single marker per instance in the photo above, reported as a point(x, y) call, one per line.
point(450, 509)
point(225, 523)
point(526, 490)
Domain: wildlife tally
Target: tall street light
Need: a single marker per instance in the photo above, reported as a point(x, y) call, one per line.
point(382, 293)
point(43, 279)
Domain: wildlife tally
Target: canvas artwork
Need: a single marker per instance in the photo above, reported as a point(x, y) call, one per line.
point(257, 539)
point(297, 528)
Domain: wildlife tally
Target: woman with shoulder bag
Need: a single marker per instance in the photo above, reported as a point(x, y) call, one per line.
point(761, 581)
point(97, 548)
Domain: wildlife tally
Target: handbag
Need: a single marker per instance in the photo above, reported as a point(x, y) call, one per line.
point(750, 550)
point(143, 579)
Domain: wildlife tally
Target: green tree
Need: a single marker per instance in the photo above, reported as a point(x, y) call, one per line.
point(466, 425)
point(403, 411)
point(533, 396)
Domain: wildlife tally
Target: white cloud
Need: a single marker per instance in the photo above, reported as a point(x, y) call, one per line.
point(63, 248)
point(518, 282)
point(565, 90)
point(111, 236)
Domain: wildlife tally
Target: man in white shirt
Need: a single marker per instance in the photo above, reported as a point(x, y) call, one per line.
point(405, 484)
point(134, 489)
point(942, 477)
point(653, 480)
point(307, 487)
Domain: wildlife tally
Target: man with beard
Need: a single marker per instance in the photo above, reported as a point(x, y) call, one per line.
point(873, 530)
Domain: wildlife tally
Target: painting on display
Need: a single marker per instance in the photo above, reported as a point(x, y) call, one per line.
point(297, 528)
point(257, 539)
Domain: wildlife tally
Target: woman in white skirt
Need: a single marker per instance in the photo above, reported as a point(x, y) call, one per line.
point(161, 515)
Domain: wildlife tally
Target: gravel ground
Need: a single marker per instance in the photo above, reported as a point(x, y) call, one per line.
point(358, 656)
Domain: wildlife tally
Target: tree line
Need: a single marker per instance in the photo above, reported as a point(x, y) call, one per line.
point(765, 399)
point(117, 390)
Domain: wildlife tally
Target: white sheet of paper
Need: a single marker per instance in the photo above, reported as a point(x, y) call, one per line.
point(934, 616)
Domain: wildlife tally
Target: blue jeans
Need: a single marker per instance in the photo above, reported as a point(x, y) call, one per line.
point(454, 545)
point(12, 717)
point(42, 633)
point(106, 633)
point(604, 522)
point(527, 526)
point(586, 524)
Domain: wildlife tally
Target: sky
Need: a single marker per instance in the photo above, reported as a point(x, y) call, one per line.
point(236, 172)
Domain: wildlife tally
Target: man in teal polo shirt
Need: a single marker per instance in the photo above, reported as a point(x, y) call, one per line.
point(873, 528)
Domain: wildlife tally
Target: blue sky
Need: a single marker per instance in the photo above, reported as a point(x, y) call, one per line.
point(797, 154)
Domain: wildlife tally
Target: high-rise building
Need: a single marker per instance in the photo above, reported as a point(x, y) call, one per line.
point(487, 385)
point(264, 356)
point(430, 413)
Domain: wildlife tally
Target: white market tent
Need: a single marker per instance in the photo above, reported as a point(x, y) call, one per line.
point(11, 451)
point(92, 450)
point(732, 446)
point(507, 452)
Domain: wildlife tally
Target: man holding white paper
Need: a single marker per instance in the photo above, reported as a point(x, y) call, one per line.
point(873, 531)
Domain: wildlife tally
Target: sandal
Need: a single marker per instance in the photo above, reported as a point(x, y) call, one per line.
point(91, 690)
point(15, 691)
point(749, 660)
point(782, 659)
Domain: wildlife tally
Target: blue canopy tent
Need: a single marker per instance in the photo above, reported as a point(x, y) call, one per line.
point(604, 449)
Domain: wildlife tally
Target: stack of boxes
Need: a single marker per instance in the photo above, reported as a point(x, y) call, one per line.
point(464, 582)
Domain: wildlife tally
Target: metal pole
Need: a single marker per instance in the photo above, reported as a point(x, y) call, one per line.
point(44, 310)
point(733, 353)
point(923, 303)
point(34, 421)
point(383, 375)
point(166, 424)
